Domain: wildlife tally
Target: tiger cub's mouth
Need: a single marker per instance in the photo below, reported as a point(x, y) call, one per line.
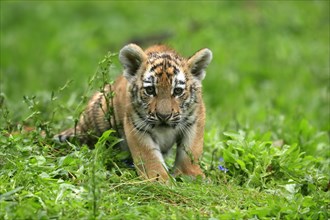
point(160, 120)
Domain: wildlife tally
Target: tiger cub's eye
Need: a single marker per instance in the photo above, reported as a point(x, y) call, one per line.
point(177, 91)
point(150, 90)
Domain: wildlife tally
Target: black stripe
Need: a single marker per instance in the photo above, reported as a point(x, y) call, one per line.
point(96, 107)
point(85, 122)
point(165, 64)
point(140, 128)
point(186, 119)
point(165, 56)
point(138, 113)
point(187, 124)
point(152, 69)
point(176, 70)
point(150, 79)
point(179, 82)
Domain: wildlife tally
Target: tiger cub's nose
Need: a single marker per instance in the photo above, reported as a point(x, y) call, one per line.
point(163, 117)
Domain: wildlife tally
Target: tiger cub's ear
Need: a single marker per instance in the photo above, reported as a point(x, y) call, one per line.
point(198, 62)
point(131, 57)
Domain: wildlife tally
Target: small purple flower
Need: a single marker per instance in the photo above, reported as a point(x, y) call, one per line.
point(222, 168)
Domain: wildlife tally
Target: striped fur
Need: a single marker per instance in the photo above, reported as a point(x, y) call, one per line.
point(157, 104)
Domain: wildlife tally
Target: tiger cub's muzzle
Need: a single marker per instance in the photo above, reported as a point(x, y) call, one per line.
point(167, 119)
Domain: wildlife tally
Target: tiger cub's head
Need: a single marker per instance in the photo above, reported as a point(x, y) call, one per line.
point(165, 88)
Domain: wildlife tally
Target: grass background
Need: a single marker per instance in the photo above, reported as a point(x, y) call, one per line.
point(266, 91)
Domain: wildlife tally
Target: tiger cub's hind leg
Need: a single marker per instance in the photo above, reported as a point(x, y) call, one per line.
point(92, 122)
point(76, 135)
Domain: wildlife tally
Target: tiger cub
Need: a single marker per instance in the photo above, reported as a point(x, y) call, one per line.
point(157, 104)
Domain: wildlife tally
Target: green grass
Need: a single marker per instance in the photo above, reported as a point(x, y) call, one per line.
point(266, 92)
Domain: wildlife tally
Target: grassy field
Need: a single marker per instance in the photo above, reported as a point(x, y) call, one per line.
point(266, 152)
